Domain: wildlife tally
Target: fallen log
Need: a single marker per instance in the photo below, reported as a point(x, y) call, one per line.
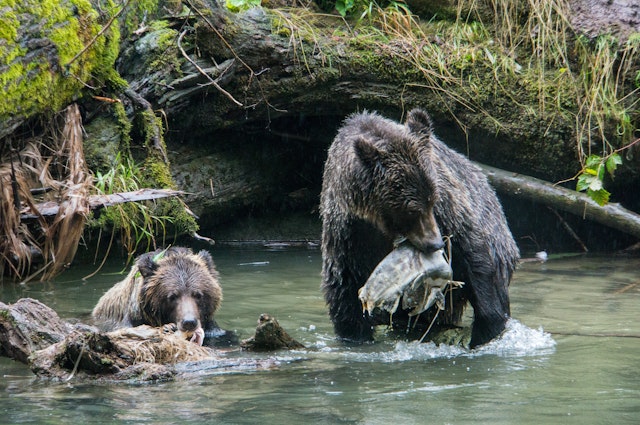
point(521, 186)
point(32, 333)
point(51, 208)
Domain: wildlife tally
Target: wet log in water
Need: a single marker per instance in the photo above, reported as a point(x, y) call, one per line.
point(270, 336)
point(32, 333)
point(518, 185)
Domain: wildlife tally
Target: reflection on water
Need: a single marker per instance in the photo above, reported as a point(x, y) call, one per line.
point(569, 356)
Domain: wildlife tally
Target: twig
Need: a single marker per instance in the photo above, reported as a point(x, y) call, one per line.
point(215, 30)
point(233, 52)
point(569, 230)
point(201, 71)
point(626, 288)
point(75, 366)
point(104, 259)
point(198, 237)
point(430, 326)
point(36, 273)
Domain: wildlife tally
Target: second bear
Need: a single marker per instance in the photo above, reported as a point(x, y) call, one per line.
point(174, 286)
point(385, 182)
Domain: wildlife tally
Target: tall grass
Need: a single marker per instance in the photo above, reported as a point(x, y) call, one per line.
point(135, 223)
point(590, 73)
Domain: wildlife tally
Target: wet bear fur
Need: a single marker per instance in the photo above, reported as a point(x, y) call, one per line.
point(384, 181)
point(171, 287)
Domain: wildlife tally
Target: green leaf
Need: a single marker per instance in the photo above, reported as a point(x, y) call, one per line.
point(612, 163)
point(595, 185)
point(584, 181)
point(239, 5)
point(159, 255)
point(592, 161)
point(344, 6)
point(601, 197)
point(600, 172)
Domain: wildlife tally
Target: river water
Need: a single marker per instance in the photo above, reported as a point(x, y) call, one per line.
point(570, 355)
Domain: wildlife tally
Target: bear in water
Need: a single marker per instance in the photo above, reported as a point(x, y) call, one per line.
point(386, 182)
point(172, 286)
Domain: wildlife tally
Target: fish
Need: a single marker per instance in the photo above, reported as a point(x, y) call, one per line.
point(406, 273)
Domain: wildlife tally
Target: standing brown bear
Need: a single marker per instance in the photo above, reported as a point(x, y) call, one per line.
point(384, 182)
point(172, 286)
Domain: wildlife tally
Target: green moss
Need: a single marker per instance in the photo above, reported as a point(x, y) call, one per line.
point(157, 173)
point(125, 126)
point(45, 80)
point(6, 315)
point(165, 45)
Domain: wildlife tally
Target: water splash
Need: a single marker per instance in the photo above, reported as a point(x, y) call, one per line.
point(517, 340)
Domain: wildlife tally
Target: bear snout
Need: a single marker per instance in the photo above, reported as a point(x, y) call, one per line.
point(426, 235)
point(189, 324)
point(427, 242)
point(187, 314)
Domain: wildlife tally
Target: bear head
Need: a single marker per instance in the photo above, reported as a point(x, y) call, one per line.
point(402, 186)
point(179, 287)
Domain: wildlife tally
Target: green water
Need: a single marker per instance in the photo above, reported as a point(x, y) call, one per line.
point(588, 374)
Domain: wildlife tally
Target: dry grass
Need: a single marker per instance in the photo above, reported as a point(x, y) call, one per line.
point(575, 78)
point(145, 344)
point(58, 166)
point(588, 73)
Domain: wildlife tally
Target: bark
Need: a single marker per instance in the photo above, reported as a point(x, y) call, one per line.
point(526, 187)
point(100, 201)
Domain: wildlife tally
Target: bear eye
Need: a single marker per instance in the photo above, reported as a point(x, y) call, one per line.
point(197, 295)
point(172, 297)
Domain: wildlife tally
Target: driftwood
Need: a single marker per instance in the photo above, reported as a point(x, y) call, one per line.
point(32, 333)
point(518, 185)
point(270, 336)
point(99, 201)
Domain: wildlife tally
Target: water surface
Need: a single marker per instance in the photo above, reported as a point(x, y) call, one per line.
point(570, 356)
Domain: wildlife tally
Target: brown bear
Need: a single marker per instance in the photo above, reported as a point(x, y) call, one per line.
point(386, 182)
point(172, 286)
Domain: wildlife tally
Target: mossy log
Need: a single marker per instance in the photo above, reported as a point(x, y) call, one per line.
point(32, 333)
point(209, 72)
point(51, 51)
point(227, 70)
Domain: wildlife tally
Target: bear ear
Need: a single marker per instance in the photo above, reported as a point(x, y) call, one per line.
point(146, 264)
point(206, 257)
point(419, 122)
point(367, 152)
